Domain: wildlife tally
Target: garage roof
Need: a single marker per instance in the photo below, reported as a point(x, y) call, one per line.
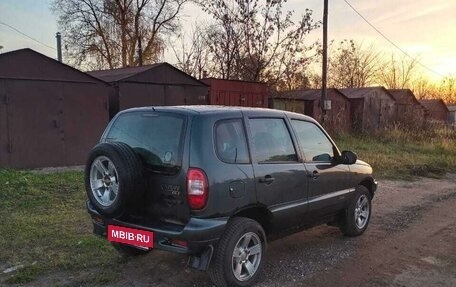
point(129, 74)
point(27, 64)
point(307, 95)
point(360, 93)
point(404, 96)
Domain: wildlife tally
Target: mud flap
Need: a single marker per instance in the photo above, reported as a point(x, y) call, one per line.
point(201, 262)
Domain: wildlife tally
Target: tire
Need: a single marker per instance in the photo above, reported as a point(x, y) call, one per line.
point(224, 262)
point(358, 213)
point(128, 251)
point(113, 178)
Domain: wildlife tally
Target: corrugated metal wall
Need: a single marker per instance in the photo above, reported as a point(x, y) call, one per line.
point(237, 93)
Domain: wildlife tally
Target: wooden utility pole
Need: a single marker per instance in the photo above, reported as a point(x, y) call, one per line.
point(325, 104)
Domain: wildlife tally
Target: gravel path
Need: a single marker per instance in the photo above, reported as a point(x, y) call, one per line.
point(411, 242)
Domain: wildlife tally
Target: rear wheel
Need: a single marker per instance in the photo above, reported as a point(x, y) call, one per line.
point(358, 213)
point(239, 256)
point(113, 178)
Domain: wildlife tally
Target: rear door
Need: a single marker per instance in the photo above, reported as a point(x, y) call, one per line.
point(280, 177)
point(328, 181)
point(158, 138)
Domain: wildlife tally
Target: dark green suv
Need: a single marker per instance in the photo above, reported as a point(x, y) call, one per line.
point(216, 183)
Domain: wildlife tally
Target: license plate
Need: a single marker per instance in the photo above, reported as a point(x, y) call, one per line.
point(135, 237)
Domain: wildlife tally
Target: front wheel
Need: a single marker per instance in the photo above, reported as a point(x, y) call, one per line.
point(358, 213)
point(239, 256)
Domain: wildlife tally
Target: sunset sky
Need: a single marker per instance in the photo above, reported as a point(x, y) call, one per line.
point(423, 28)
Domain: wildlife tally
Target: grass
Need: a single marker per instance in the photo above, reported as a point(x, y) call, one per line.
point(405, 154)
point(45, 228)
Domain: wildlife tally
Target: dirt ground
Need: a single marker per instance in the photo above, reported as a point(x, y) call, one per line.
point(411, 241)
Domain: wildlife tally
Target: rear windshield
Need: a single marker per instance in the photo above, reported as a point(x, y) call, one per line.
point(156, 137)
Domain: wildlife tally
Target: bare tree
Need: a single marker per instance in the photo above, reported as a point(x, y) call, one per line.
point(422, 88)
point(397, 72)
point(446, 90)
point(255, 40)
point(353, 66)
point(108, 33)
point(294, 73)
point(192, 55)
point(223, 40)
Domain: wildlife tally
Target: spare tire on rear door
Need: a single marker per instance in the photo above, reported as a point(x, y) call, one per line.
point(113, 178)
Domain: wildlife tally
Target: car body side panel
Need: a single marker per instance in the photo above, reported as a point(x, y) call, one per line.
point(325, 188)
point(286, 195)
point(328, 182)
point(359, 172)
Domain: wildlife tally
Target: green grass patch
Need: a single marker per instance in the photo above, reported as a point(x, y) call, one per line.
point(45, 227)
point(404, 155)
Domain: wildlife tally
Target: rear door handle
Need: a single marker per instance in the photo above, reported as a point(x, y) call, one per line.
point(267, 179)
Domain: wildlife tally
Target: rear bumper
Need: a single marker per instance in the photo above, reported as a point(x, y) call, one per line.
point(198, 233)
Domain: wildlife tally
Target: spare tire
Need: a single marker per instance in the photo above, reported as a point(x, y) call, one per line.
point(113, 178)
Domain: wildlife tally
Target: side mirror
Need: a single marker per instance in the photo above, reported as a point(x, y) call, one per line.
point(348, 157)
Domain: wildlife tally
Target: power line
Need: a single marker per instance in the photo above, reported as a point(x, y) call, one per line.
point(25, 35)
point(391, 42)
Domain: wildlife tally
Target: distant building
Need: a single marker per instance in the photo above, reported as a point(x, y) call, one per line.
point(308, 102)
point(371, 108)
point(159, 84)
point(409, 111)
point(50, 114)
point(237, 93)
point(436, 110)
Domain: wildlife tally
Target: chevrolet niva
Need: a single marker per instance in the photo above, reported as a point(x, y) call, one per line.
point(218, 183)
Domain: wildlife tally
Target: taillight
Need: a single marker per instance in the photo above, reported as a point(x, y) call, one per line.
point(197, 188)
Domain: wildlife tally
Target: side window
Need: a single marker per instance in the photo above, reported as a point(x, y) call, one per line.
point(314, 143)
point(230, 141)
point(272, 140)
